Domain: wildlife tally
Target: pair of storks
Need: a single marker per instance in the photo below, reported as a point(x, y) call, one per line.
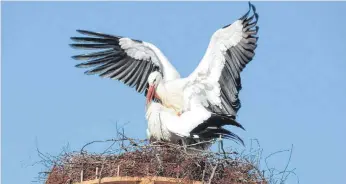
point(189, 110)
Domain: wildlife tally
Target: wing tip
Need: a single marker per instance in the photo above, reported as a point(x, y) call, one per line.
point(89, 72)
point(80, 46)
point(97, 34)
point(82, 31)
point(251, 7)
point(85, 32)
point(77, 39)
point(73, 45)
point(75, 57)
point(80, 65)
point(247, 13)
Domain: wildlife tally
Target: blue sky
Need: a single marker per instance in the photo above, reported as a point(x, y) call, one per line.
point(293, 91)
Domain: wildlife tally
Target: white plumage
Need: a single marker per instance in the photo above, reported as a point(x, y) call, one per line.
point(195, 107)
point(197, 125)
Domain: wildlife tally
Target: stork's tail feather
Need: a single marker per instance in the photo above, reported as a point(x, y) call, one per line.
point(214, 133)
point(221, 120)
point(212, 128)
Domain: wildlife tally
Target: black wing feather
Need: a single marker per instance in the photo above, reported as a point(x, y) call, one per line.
point(111, 61)
point(236, 59)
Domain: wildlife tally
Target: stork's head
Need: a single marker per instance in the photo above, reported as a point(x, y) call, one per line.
point(154, 80)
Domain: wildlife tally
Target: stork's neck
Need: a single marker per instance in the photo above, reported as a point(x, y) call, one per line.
point(170, 95)
point(161, 91)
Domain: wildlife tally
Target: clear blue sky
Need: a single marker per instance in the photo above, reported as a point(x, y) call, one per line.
point(294, 91)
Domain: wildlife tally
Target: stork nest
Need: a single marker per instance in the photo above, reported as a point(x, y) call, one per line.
point(139, 158)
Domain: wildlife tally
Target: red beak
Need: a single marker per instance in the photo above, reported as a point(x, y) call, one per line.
point(150, 94)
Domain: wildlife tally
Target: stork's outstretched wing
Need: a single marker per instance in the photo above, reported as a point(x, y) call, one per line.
point(217, 78)
point(128, 60)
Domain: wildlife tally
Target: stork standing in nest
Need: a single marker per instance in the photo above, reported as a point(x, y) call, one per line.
point(192, 108)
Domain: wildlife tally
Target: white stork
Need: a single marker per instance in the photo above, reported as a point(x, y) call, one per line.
point(195, 106)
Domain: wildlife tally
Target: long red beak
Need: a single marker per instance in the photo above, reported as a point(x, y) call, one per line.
point(150, 94)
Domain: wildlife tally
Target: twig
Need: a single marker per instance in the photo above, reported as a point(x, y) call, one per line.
point(160, 163)
point(100, 175)
point(213, 172)
point(97, 172)
point(99, 141)
point(203, 175)
point(81, 175)
point(272, 155)
point(289, 160)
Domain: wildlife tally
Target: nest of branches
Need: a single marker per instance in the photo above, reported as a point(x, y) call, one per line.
point(138, 158)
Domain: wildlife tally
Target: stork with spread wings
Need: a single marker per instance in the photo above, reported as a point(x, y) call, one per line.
point(195, 107)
